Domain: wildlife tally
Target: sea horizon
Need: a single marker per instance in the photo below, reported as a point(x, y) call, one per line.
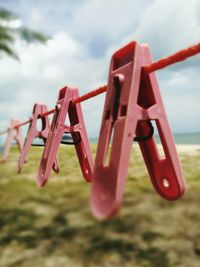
point(192, 138)
point(180, 139)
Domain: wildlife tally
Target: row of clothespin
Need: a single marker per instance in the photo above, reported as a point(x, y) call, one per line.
point(133, 101)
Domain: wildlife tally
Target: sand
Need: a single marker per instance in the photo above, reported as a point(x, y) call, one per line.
point(189, 149)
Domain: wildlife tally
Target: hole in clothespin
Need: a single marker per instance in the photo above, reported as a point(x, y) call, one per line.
point(109, 149)
point(158, 140)
point(165, 183)
point(68, 140)
point(38, 142)
point(39, 125)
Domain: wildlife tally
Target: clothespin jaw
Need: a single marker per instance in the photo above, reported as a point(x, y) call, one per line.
point(165, 172)
point(132, 101)
point(77, 129)
point(14, 134)
point(33, 133)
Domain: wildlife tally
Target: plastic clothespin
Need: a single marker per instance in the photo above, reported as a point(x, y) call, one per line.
point(14, 134)
point(133, 101)
point(33, 133)
point(77, 129)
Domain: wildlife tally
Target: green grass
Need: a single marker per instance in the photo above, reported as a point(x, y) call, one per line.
point(53, 226)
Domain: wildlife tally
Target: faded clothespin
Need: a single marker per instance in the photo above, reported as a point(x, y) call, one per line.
point(33, 133)
point(13, 134)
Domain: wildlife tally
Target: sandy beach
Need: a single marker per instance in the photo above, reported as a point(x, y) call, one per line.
point(190, 149)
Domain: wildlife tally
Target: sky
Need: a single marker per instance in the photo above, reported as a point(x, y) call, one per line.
point(84, 35)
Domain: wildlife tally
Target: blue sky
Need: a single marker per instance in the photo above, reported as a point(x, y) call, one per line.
point(84, 36)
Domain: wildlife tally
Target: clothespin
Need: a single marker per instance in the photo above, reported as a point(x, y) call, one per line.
point(33, 133)
point(14, 134)
point(76, 129)
point(133, 101)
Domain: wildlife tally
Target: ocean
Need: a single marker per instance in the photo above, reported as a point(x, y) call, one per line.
point(187, 138)
point(180, 138)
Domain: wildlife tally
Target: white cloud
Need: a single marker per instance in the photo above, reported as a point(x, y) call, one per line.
point(36, 17)
point(111, 19)
point(43, 70)
point(181, 94)
point(169, 25)
point(178, 79)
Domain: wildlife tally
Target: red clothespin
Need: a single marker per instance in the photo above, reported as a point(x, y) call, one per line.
point(77, 129)
point(133, 100)
point(14, 134)
point(33, 133)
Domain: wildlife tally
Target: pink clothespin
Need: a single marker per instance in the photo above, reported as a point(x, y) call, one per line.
point(33, 133)
point(14, 134)
point(77, 129)
point(133, 101)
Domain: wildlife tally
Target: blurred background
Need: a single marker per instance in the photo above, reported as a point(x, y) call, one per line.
point(45, 45)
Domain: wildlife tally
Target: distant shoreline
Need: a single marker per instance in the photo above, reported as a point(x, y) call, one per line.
point(188, 139)
point(180, 139)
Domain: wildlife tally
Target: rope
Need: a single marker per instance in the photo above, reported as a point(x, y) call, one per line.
point(23, 123)
point(90, 94)
point(158, 65)
point(47, 113)
point(177, 57)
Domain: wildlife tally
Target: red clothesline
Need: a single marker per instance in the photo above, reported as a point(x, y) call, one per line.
point(160, 64)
